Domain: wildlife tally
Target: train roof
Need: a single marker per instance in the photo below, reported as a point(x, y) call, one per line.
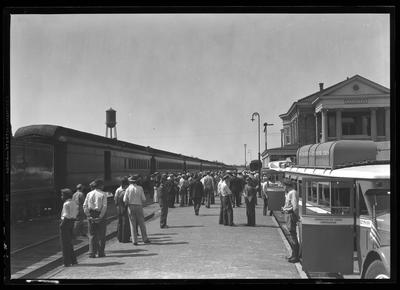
point(54, 132)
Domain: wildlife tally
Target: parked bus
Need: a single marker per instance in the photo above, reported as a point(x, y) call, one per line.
point(344, 208)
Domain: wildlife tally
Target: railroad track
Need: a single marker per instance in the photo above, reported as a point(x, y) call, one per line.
point(33, 260)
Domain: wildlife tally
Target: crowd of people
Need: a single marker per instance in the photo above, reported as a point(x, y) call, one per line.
point(168, 189)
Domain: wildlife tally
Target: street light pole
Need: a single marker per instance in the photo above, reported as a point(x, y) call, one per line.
point(245, 163)
point(259, 155)
point(265, 130)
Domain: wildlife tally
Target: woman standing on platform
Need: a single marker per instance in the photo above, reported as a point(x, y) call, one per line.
point(123, 227)
point(250, 196)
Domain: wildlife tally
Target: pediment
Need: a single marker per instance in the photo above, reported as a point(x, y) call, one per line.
point(356, 86)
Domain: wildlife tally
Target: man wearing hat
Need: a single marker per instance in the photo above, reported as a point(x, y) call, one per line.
point(95, 208)
point(68, 216)
point(291, 210)
point(79, 198)
point(163, 200)
point(134, 198)
point(208, 184)
point(227, 211)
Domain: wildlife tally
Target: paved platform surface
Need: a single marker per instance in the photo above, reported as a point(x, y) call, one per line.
point(193, 247)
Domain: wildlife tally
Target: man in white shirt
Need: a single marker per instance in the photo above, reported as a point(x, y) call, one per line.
point(95, 208)
point(291, 210)
point(68, 216)
point(134, 198)
point(208, 184)
point(227, 210)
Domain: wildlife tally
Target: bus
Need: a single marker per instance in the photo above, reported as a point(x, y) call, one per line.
point(344, 208)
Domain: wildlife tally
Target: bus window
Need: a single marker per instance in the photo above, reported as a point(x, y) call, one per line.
point(340, 198)
point(317, 198)
point(312, 192)
point(323, 194)
point(381, 199)
point(363, 205)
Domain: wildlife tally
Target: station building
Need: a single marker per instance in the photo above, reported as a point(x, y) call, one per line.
point(354, 109)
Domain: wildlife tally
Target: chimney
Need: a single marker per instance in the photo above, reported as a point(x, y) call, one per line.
point(321, 86)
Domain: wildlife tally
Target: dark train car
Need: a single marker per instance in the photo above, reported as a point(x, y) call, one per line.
point(47, 158)
point(31, 178)
point(192, 164)
point(168, 162)
point(77, 157)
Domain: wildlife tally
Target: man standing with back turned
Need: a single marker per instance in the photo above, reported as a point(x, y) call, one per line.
point(291, 210)
point(95, 208)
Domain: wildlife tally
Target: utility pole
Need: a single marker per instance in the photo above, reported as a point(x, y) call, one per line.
point(265, 130)
point(245, 163)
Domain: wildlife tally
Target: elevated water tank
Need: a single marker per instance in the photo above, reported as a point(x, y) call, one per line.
point(111, 118)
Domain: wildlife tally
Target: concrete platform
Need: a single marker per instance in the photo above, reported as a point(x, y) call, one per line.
point(193, 247)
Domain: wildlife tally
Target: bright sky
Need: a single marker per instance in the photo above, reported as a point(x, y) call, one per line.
point(186, 83)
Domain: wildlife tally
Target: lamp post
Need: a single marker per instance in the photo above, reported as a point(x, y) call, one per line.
point(245, 163)
point(259, 155)
point(265, 130)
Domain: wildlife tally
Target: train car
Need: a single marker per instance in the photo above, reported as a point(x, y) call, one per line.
point(47, 158)
point(192, 164)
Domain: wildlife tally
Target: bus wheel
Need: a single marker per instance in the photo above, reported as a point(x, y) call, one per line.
point(376, 270)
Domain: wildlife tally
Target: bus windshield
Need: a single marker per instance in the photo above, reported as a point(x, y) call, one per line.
point(380, 198)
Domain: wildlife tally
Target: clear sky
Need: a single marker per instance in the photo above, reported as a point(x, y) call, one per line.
point(186, 83)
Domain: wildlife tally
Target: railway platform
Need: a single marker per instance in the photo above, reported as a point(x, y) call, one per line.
point(192, 247)
point(35, 246)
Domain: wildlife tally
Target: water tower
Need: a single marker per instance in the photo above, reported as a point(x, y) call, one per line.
point(111, 123)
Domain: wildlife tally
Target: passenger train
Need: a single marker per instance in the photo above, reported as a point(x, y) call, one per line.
point(47, 158)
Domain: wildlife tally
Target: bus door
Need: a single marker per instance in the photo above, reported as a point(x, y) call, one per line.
point(327, 225)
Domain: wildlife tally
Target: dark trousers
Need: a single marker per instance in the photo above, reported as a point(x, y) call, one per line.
point(197, 204)
point(221, 212)
point(208, 193)
point(164, 211)
point(213, 198)
point(183, 194)
point(236, 198)
point(291, 222)
point(227, 211)
point(66, 235)
point(265, 207)
point(123, 228)
point(251, 212)
point(97, 235)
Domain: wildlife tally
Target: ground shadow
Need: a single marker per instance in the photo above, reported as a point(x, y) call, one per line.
point(99, 264)
point(191, 226)
point(161, 234)
point(209, 214)
point(133, 255)
point(257, 226)
point(170, 243)
point(127, 251)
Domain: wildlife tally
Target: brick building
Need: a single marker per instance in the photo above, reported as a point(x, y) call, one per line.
point(355, 108)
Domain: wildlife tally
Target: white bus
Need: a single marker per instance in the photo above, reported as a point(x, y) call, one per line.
point(344, 208)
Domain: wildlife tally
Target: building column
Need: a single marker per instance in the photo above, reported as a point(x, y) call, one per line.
point(316, 128)
point(324, 126)
point(282, 136)
point(373, 124)
point(387, 124)
point(339, 124)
